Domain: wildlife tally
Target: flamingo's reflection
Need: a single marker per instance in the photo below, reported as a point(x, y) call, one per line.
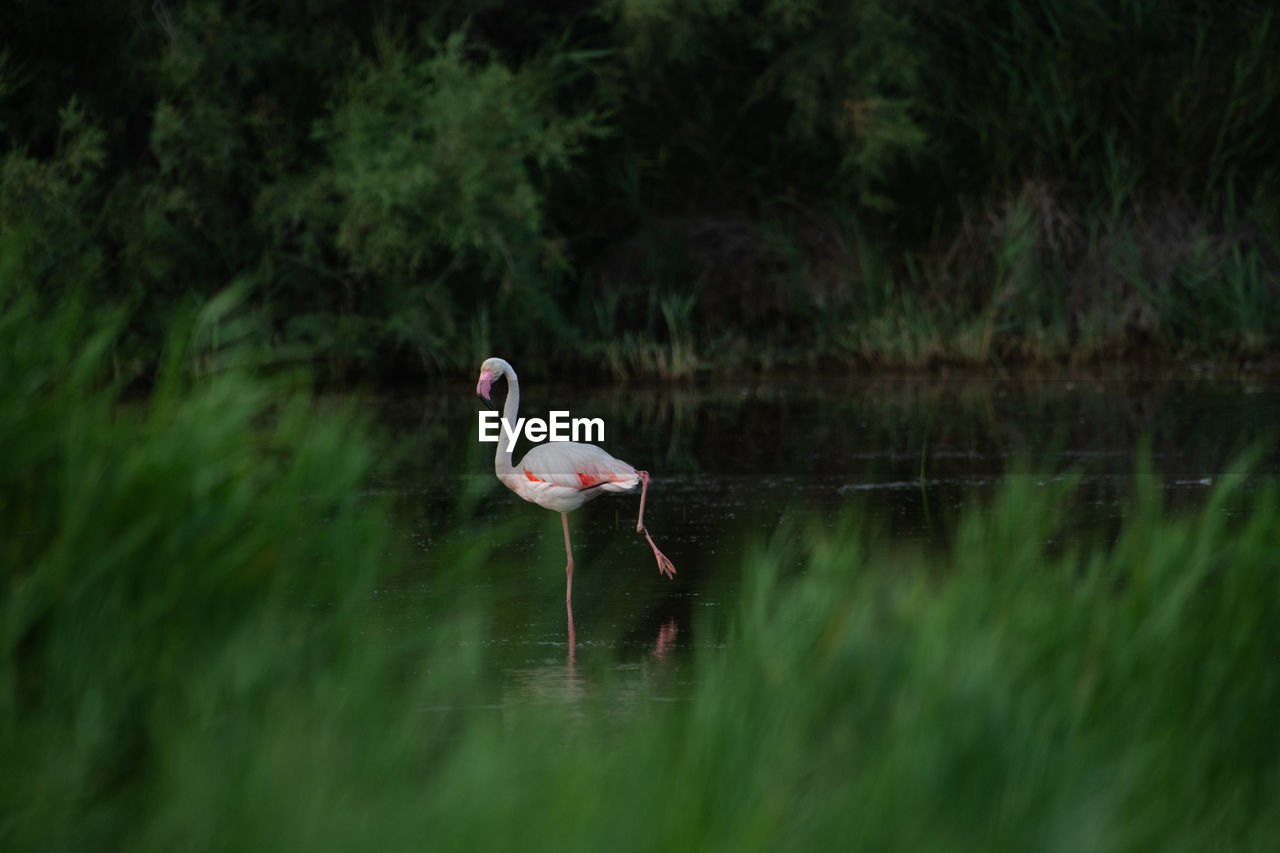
point(564, 684)
point(662, 645)
point(665, 642)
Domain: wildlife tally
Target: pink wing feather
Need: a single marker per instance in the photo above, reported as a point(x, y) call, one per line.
point(569, 464)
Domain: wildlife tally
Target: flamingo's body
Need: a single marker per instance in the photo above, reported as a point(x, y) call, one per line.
point(562, 475)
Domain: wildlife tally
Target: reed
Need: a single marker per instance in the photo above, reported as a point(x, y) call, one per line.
point(188, 655)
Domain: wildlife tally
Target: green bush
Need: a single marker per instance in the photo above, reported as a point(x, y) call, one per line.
point(437, 166)
point(657, 187)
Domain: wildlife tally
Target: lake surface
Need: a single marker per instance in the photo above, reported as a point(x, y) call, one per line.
point(729, 460)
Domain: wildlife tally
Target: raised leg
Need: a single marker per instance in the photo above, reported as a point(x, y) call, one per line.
point(568, 566)
point(644, 488)
point(664, 565)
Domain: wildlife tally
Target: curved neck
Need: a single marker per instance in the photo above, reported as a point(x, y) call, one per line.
point(502, 455)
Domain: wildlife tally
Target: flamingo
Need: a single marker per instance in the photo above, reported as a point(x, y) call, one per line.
point(562, 475)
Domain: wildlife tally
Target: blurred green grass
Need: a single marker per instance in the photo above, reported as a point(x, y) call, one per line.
point(186, 660)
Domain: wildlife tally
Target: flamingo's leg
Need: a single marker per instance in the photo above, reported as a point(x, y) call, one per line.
point(568, 609)
point(664, 565)
point(644, 487)
point(568, 567)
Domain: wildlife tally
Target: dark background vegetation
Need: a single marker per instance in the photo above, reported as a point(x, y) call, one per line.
point(656, 188)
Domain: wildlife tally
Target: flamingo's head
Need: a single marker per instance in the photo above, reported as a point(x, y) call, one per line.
point(489, 371)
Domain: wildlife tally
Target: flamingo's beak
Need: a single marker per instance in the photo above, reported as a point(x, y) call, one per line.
point(482, 387)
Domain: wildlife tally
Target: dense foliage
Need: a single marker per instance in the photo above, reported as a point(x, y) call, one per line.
point(189, 657)
point(657, 186)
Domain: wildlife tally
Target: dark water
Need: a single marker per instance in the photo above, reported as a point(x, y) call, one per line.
point(729, 460)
